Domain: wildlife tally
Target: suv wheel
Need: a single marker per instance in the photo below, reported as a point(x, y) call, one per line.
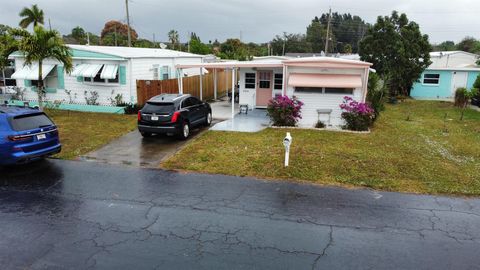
point(185, 131)
point(208, 119)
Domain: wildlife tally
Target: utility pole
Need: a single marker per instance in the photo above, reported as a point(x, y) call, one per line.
point(284, 41)
point(154, 40)
point(49, 24)
point(115, 35)
point(88, 38)
point(128, 24)
point(328, 31)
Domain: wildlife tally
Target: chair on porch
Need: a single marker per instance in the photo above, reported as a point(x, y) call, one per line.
point(325, 111)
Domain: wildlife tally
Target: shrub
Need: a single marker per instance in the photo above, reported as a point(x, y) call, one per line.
point(320, 124)
point(18, 93)
point(461, 97)
point(376, 94)
point(358, 116)
point(92, 99)
point(130, 108)
point(284, 111)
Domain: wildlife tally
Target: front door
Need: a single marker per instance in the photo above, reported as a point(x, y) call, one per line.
point(459, 81)
point(264, 88)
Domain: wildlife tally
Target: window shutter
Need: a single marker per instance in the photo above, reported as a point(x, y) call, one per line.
point(27, 83)
point(60, 78)
point(122, 74)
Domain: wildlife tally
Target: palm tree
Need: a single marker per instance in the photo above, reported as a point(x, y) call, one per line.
point(7, 47)
point(31, 15)
point(40, 45)
point(173, 37)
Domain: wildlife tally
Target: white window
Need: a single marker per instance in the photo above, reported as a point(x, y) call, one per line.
point(165, 72)
point(278, 82)
point(155, 72)
point(250, 80)
point(432, 79)
point(325, 90)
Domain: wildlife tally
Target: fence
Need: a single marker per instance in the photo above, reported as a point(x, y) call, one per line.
point(191, 85)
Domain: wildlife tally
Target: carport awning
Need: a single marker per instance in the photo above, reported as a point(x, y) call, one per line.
point(325, 80)
point(31, 72)
point(86, 70)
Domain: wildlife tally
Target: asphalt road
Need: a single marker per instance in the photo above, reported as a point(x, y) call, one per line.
point(80, 215)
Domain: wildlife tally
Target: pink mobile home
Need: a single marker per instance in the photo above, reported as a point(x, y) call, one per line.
point(319, 82)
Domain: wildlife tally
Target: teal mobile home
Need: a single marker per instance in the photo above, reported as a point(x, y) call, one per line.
point(448, 71)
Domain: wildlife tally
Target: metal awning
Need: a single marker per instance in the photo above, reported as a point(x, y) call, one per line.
point(325, 80)
point(109, 72)
point(86, 70)
point(31, 72)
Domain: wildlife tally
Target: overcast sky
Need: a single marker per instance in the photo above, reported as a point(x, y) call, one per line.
point(255, 20)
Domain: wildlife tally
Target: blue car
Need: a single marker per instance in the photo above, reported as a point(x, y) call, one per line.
point(26, 134)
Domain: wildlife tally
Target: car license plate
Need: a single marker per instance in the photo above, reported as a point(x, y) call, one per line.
point(154, 118)
point(41, 137)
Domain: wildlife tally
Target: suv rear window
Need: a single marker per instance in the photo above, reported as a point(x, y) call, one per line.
point(151, 107)
point(30, 121)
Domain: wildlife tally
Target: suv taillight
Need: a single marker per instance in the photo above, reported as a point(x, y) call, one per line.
point(19, 138)
point(175, 116)
point(139, 116)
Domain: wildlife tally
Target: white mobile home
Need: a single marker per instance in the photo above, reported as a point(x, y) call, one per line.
point(108, 71)
point(320, 83)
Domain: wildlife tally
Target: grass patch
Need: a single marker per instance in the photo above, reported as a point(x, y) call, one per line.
point(82, 132)
point(411, 149)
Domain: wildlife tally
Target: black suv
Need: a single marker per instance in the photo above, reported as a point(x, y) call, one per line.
point(173, 114)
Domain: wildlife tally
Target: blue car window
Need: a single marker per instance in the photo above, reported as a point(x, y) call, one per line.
point(30, 121)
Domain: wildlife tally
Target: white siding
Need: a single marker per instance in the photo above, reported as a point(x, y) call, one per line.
point(78, 88)
point(314, 101)
point(140, 69)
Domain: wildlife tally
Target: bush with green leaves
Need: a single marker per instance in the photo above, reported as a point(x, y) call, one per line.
point(461, 97)
point(377, 93)
point(130, 108)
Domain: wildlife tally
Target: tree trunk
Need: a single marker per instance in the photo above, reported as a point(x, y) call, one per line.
point(40, 86)
point(4, 81)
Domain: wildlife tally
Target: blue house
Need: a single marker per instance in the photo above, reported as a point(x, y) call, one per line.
point(448, 71)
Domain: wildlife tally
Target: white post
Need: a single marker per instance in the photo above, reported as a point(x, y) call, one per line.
point(284, 78)
point(226, 82)
point(233, 92)
point(180, 90)
point(287, 142)
point(201, 83)
point(215, 84)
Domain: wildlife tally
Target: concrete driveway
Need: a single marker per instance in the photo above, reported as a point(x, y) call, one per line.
point(77, 215)
point(134, 150)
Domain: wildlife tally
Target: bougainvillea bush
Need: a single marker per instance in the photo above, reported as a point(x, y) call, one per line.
point(284, 111)
point(358, 116)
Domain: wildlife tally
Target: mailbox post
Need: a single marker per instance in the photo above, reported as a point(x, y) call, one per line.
point(287, 142)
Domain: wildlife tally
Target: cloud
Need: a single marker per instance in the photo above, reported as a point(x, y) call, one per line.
point(257, 21)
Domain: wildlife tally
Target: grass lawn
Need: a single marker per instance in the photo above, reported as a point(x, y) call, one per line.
point(82, 132)
point(414, 155)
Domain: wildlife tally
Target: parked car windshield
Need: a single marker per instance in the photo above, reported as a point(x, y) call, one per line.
point(30, 121)
point(152, 107)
